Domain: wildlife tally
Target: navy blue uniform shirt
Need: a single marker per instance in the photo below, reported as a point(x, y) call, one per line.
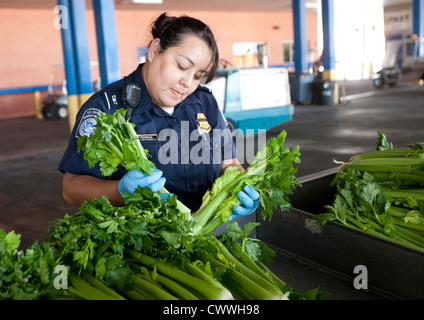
point(188, 146)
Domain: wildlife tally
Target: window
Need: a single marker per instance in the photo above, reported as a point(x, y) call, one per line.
point(249, 54)
point(288, 51)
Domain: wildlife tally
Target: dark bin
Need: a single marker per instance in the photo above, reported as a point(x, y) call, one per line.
point(327, 93)
point(301, 87)
point(323, 92)
point(394, 270)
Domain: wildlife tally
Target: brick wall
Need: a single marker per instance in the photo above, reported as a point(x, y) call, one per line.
point(30, 44)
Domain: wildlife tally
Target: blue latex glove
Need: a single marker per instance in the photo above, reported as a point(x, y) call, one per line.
point(134, 178)
point(250, 202)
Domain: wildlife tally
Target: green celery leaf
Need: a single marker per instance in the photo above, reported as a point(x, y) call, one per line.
point(12, 242)
point(383, 143)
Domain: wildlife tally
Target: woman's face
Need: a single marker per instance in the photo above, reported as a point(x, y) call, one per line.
point(172, 75)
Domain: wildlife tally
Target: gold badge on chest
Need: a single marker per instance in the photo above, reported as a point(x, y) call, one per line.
point(203, 123)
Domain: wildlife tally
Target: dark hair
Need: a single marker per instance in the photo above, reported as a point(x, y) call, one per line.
point(172, 30)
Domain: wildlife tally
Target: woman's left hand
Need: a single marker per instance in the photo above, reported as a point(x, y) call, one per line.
point(250, 202)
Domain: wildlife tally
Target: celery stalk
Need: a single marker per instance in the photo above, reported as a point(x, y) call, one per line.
point(206, 212)
point(198, 273)
point(238, 287)
point(143, 294)
point(135, 295)
point(402, 194)
point(152, 289)
point(376, 168)
point(396, 212)
point(175, 288)
point(388, 161)
point(284, 287)
point(243, 284)
point(260, 269)
point(411, 237)
point(182, 277)
point(265, 283)
point(239, 254)
point(395, 153)
point(101, 286)
point(413, 179)
point(84, 290)
point(367, 229)
point(417, 224)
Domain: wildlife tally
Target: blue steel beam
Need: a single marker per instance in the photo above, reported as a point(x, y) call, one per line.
point(107, 45)
point(68, 48)
point(81, 46)
point(300, 36)
point(76, 55)
point(418, 28)
point(328, 55)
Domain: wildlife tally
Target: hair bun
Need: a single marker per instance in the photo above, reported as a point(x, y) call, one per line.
point(161, 23)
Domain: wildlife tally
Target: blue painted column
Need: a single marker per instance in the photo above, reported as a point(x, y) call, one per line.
point(418, 23)
point(76, 55)
point(328, 54)
point(68, 47)
point(300, 36)
point(81, 46)
point(107, 44)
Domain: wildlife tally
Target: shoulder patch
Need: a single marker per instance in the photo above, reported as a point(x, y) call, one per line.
point(113, 99)
point(204, 88)
point(87, 122)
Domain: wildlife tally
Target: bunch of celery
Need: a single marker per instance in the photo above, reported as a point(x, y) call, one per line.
point(230, 270)
point(382, 193)
point(25, 274)
point(239, 263)
point(392, 167)
point(93, 243)
point(147, 250)
point(156, 279)
point(271, 173)
point(115, 143)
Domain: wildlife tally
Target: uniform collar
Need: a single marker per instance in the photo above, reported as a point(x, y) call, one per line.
point(191, 99)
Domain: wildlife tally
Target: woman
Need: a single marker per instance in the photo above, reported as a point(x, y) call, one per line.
point(178, 121)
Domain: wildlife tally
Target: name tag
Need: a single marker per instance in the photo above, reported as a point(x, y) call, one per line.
point(148, 137)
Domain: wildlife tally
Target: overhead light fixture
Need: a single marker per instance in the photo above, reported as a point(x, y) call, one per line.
point(311, 4)
point(147, 1)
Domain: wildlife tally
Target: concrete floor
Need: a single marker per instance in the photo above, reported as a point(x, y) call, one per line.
point(30, 185)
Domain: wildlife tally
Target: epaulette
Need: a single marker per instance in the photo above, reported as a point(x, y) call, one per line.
point(204, 88)
point(113, 99)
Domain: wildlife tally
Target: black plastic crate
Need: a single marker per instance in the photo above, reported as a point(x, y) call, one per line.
point(392, 269)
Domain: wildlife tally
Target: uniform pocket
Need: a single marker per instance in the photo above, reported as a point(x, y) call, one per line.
point(162, 152)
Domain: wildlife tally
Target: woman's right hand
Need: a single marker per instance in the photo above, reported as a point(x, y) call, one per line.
point(134, 178)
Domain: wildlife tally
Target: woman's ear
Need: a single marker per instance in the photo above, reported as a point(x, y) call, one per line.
point(153, 49)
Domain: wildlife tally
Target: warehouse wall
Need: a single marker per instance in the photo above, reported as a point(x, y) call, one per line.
point(31, 44)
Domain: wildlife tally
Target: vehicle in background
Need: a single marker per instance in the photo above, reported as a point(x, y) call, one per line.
point(55, 104)
point(253, 99)
point(404, 60)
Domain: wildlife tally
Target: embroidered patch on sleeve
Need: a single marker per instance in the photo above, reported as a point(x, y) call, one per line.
point(87, 122)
